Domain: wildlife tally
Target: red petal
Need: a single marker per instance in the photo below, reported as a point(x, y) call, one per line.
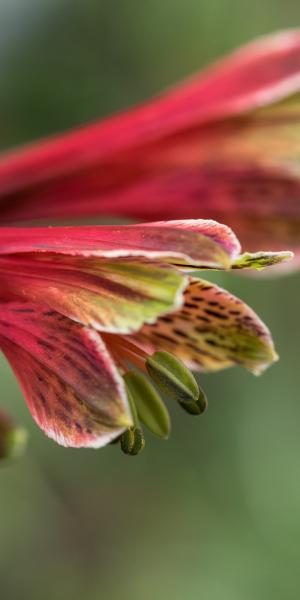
point(76, 173)
point(70, 383)
point(199, 242)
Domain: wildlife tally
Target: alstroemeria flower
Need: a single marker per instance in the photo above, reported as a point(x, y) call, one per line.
point(80, 304)
point(224, 145)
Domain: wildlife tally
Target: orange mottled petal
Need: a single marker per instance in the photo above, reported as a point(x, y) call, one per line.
point(213, 330)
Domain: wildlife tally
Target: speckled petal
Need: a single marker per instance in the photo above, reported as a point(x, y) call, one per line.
point(71, 386)
point(212, 331)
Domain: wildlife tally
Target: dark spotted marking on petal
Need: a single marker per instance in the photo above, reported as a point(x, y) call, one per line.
point(180, 333)
point(228, 336)
point(46, 345)
point(184, 318)
point(202, 318)
point(167, 319)
point(167, 338)
point(214, 313)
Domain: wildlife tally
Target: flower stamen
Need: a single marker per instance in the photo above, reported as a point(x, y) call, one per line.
point(124, 350)
point(171, 377)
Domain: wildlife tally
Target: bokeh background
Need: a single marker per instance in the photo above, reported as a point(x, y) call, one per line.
point(215, 512)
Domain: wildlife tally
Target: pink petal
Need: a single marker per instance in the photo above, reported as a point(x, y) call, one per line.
point(207, 149)
point(70, 383)
point(76, 172)
point(198, 242)
point(107, 277)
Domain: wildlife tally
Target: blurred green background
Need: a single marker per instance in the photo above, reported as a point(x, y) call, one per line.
point(215, 512)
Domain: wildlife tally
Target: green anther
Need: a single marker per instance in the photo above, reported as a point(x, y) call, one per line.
point(132, 441)
point(131, 403)
point(172, 377)
point(150, 407)
point(176, 381)
point(195, 407)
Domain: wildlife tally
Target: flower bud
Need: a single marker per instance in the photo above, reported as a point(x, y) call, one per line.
point(149, 405)
point(132, 441)
point(13, 438)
